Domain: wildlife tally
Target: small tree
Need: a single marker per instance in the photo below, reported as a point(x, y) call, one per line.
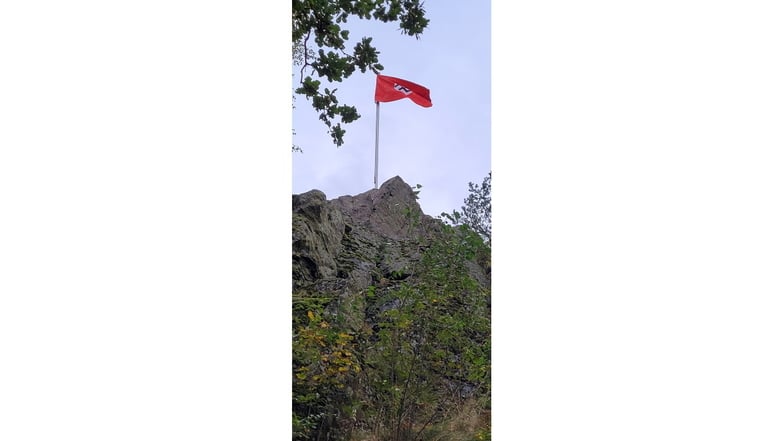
point(476, 213)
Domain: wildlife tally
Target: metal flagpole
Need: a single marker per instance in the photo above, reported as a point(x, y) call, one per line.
point(375, 174)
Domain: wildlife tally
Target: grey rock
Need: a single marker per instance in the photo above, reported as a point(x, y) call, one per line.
point(341, 247)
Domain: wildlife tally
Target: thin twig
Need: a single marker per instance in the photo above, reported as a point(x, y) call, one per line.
point(304, 56)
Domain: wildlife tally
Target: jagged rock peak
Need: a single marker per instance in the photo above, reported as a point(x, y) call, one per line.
point(351, 241)
point(389, 210)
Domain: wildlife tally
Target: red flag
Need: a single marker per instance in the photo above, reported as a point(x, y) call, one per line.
point(393, 89)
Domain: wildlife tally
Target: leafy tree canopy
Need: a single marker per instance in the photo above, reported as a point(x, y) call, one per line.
point(476, 213)
point(319, 44)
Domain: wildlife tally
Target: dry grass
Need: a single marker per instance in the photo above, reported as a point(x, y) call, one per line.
point(467, 421)
point(464, 425)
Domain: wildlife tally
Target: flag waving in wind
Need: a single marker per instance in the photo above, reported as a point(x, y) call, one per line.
point(393, 89)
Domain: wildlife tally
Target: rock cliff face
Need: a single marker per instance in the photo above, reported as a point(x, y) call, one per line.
point(387, 299)
point(343, 246)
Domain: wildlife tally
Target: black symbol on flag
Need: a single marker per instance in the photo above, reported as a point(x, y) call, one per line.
point(403, 89)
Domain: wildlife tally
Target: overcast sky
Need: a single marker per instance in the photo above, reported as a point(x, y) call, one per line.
point(443, 147)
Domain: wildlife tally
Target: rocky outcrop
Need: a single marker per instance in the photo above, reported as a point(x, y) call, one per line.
point(317, 231)
point(365, 264)
point(352, 242)
point(341, 247)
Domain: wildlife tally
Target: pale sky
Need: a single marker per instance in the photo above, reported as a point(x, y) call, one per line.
point(443, 147)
